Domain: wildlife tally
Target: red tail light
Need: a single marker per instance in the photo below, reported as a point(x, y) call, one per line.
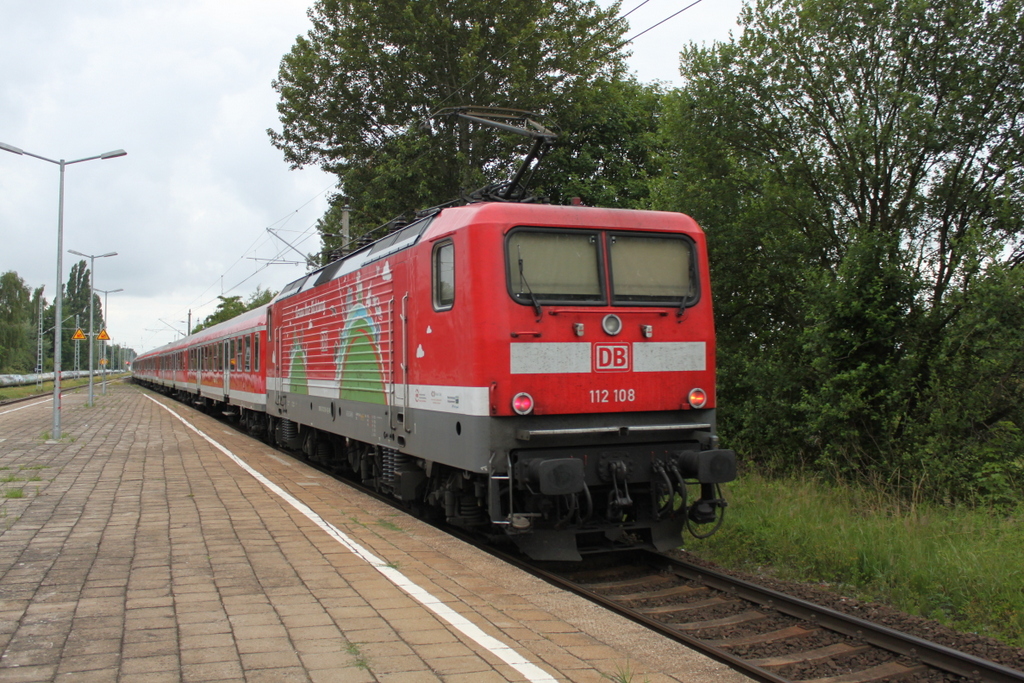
point(522, 403)
point(697, 398)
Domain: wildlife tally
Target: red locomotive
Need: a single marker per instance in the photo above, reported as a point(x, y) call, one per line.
point(543, 371)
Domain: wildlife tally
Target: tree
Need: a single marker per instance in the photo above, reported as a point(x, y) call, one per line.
point(228, 308)
point(76, 307)
point(232, 306)
point(857, 166)
point(260, 297)
point(609, 153)
point(16, 333)
point(360, 91)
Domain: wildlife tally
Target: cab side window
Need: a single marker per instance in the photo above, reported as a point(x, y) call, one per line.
point(443, 269)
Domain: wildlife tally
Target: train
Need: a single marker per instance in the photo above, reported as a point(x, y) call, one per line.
point(535, 373)
point(40, 377)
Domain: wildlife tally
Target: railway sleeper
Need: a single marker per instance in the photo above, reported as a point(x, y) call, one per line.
point(890, 671)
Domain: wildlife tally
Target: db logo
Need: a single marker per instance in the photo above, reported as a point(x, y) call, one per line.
point(611, 357)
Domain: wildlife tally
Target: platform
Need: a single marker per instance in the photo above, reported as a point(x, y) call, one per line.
point(153, 543)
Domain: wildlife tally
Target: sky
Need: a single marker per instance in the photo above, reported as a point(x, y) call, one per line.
point(185, 88)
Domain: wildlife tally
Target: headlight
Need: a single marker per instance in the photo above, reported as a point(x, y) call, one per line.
point(612, 324)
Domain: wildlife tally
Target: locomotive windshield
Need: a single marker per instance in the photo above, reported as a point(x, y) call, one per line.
point(651, 269)
point(552, 266)
point(561, 266)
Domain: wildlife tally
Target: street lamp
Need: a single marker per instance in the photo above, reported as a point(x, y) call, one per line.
point(106, 293)
point(59, 298)
point(92, 279)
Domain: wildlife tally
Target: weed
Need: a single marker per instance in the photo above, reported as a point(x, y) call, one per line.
point(65, 438)
point(14, 493)
point(7, 479)
point(624, 673)
point(361, 662)
point(390, 526)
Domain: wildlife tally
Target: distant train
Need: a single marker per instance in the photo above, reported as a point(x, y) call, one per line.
point(545, 373)
point(40, 377)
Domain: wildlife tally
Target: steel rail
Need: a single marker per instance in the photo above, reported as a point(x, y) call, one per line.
point(716, 653)
point(932, 654)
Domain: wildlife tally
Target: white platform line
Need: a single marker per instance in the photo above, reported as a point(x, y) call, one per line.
point(30, 405)
point(506, 653)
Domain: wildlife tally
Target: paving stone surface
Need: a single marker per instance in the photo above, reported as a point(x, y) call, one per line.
point(135, 550)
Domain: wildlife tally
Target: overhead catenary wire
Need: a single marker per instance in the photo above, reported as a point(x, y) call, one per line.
point(623, 16)
point(195, 305)
point(671, 16)
point(481, 72)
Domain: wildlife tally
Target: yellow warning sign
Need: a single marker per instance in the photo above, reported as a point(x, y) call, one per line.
point(103, 336)
point(79, 335)
point(103, 361)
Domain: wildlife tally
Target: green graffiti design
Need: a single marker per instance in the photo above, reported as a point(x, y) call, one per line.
point(297, 382)
point(358, 359)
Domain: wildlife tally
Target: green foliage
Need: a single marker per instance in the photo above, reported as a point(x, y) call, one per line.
point(367, 70)
point(857, 168)
point(954, 564)
point(608, 152)
point(360, 90)
point(232, 306)
point(972, 438)
point(260, 297)
point(228, 308)
point(75, 310)
point(16, 333)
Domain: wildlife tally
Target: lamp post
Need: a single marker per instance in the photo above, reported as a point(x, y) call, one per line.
point(106, 293)
point(92, 291)
point(59, 299)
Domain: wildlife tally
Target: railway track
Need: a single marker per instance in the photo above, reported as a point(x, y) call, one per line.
point(766, 634)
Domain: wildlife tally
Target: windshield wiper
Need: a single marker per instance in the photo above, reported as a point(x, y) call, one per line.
point(522, 278)
point(687, 299)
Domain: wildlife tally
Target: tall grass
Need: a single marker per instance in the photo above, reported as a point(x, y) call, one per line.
point(960, 566)
point(8, 393)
